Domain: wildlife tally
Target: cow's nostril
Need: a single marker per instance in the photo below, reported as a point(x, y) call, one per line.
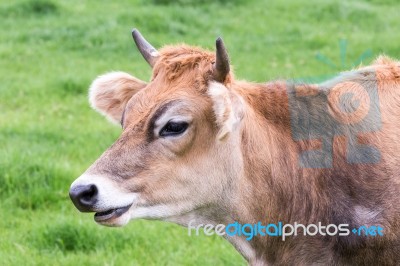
point(84, 197)
point(89, 194)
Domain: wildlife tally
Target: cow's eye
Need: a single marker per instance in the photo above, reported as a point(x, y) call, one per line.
point(173, 128)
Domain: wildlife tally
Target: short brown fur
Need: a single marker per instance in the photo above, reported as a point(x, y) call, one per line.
point(267, 184)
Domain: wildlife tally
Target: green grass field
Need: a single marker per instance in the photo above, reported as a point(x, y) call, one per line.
point(50, 51)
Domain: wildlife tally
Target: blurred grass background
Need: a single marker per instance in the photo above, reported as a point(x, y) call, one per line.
point(51, 50)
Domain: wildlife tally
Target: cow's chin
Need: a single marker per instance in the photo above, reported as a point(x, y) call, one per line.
point(113, 217)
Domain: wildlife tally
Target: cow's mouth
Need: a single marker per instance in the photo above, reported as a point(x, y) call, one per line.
point(110, 214)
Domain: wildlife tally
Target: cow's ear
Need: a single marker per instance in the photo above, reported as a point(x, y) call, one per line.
point(110, 93)
point(228, 108)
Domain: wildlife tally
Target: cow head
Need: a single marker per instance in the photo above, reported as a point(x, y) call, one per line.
point(178, 152)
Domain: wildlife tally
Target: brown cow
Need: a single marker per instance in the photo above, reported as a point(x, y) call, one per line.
point(200, 147)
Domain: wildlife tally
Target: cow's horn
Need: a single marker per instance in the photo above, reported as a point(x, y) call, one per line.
point(149, 53)
point(221, 66)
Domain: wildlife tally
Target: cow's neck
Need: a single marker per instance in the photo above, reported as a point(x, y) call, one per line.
point(268, 149)
point(268, 152)
point(261, 191)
